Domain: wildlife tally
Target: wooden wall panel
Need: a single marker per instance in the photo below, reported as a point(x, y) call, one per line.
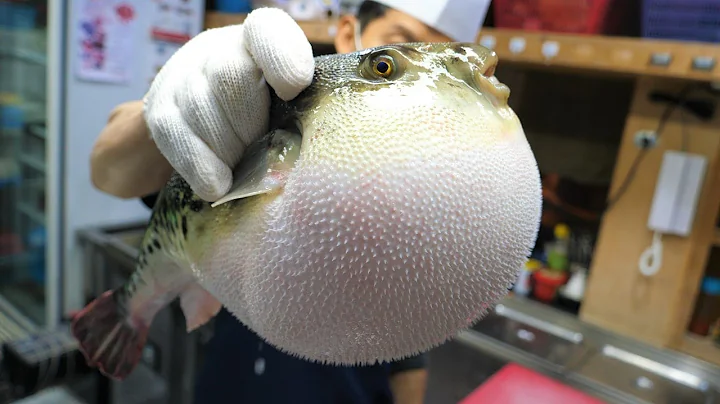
point(618, 296)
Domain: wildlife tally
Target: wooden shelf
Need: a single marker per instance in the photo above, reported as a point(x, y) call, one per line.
point(214, 19)
point(318, 32)
point(701, 348)
point(601, 53)
point(716, 239)
point(586, 52)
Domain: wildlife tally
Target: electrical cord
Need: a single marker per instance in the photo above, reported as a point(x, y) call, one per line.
point(685, 139)
point(651, 259)
point(700, 109)
point(681, 99)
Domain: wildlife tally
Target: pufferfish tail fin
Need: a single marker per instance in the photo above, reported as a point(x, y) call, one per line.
point(108, 337)
point(112, 340)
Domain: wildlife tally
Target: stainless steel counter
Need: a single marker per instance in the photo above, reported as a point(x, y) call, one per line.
point(611, 367)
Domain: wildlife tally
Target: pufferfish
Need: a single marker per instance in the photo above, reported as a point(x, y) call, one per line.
point(389, 206)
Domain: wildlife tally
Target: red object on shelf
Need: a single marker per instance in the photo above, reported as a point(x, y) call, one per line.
point(569, 16)
point(515, 384)
point(10, 244)
point(547, 284)
point(707, 307)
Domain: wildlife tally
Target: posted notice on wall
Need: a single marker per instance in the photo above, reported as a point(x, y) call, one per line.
point(105, 39)
point(174, 22)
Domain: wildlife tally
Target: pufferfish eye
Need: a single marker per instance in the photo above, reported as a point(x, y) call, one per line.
point(383, 66)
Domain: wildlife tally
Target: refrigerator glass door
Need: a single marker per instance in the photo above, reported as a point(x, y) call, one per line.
point(23, 165)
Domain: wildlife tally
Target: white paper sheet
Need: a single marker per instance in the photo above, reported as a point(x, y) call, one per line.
point(160, 53)
point(174, 23)
point(177, 20)
point(105, 39)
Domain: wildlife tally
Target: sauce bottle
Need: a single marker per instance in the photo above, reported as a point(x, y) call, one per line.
point(707, 308)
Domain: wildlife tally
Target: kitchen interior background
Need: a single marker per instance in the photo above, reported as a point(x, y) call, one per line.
point(54, 99)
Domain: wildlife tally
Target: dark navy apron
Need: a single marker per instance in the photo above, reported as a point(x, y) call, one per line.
point(239, 368)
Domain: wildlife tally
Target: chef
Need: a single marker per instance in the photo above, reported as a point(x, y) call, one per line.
point(205, 106)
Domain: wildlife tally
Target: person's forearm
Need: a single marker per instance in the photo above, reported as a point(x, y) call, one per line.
point(125, 162)
point(408, 387)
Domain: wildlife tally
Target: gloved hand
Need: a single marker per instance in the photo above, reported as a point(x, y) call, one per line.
point(209, 101)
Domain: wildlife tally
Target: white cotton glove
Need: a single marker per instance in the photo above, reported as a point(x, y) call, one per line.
point(210, 101)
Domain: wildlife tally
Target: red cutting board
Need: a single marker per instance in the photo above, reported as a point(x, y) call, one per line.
point(515, 384)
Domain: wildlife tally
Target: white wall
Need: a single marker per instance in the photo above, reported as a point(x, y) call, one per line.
point(87, 106)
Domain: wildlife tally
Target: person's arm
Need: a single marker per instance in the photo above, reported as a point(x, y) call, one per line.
point(125, 162)
point(408, 380)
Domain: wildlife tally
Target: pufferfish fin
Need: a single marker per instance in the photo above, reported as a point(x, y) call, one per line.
point(198, 306)
point(264, 166)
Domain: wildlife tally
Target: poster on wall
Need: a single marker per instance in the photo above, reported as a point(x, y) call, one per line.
point(174, 22)
point(161, 52)
point(105, 39)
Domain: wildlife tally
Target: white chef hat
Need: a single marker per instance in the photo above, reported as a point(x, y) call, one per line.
point(459, 19)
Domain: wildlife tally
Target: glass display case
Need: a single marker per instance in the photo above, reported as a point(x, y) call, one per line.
point(26, 141)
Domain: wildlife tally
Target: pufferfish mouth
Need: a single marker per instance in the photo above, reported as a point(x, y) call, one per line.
point(500, 87)
point(484, 77)
point(478, 70)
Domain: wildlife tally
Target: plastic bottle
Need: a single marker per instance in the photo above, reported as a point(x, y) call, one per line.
point(36, 247)
point(557, 253)
point(11, 116)
point(707, 308)
point(11, 124)
point(522, 286)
